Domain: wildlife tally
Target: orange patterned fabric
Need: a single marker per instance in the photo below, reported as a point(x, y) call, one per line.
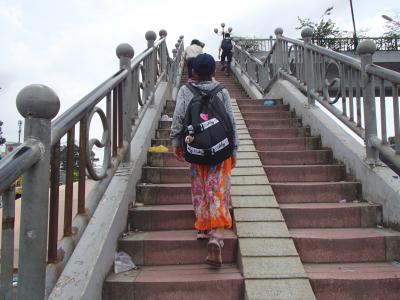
point(211, 195)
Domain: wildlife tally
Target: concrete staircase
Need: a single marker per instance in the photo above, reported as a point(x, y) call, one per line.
point(345, 251)
point(163, 240)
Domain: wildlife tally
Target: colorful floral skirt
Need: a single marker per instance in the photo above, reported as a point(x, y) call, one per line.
point(211, 195)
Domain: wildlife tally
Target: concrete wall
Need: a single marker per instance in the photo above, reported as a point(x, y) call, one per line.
point(93, 257)
point(379, 184)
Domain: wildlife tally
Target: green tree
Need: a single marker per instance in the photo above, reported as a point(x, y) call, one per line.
point(322, 29)
point(393, 26)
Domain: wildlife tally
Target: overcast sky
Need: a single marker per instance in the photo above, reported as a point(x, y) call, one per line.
point(69, 45)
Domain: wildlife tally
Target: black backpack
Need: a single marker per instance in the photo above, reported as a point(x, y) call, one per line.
point(207, 121)
point(226, 45)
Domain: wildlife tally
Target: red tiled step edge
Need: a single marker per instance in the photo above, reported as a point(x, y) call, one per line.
point(162, 217)
point(194, 282)
point(361, 281)
point(304, 192)
point(338, 245)
point(330, 215)
point(160, 194)
point(297, 173)
point(278, 132)
point(164, 160)
point(301, 157)
point(170, 247)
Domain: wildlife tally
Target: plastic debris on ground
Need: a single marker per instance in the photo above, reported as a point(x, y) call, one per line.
point(158, 149)
point(123, 262)
point(15, 280)
point(269, 102)
point(343, 201)
point(166, 118)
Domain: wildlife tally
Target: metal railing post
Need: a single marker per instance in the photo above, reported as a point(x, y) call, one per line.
point(125, 54)
point(307, 34)
point(151, 66)
point(365, 50)
point(7, 244)
point(163, 53)
point(38, 104)
point(278, 50)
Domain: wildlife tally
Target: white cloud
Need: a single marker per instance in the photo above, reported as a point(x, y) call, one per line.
point(70, 45)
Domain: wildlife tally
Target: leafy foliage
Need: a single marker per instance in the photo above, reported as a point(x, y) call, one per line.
point(250, 45)
point(322, 29)
point(393, 26)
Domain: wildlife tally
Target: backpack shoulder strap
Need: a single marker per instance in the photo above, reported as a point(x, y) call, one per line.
point(195, 91)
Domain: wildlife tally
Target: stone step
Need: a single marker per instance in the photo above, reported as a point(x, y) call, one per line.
point(165, 174)
point(161, 217)
point(302, 157)
point(273, 123)
point(169, 247)
point(331, 215)
point(194, 282)
point(320, 192)
point(342, 245)
point(305, 173)
point(268, 115)
point(257, 108)
point(259, 102)
point(161, 194)
point(164, 160)
point(355, 280)
point(287, 144)
point(279, 132)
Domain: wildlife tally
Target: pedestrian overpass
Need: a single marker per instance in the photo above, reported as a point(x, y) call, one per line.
point(315, 211)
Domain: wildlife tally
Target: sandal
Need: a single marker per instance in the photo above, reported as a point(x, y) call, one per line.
point(202, 234)
point(214, 248)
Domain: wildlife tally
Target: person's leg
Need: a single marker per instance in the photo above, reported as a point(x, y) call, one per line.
point(228, 64)
point(199, 200)
point(218, 189)
point(223, 56)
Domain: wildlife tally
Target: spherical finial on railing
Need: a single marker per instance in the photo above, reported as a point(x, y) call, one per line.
point(366, 47)
point(38, 101)
point(216, 30)
point(150, 35)
point(222, 25)
point(174, 52)
point(163, 33)
point(177, 45)
point(229, 29)
point(278, 31)
point(306, 32)
point(181, 37)
point(124, 50)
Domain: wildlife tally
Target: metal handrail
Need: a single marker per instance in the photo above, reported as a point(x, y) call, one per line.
point(322, 73)
point(123, 94)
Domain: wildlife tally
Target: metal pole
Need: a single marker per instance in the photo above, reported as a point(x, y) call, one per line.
point(151, 37)
point(278, 50)
point(19, 131)
point(354, 26)
point(365, 50)
point(38, 104)
point(125, 54)
point(306, 34)
point(7, 244)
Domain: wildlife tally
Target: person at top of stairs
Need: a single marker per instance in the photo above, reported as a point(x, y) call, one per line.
point(195, 48)
point(227, 52)
point(210, 184)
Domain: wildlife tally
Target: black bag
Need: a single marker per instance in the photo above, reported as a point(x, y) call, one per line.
point(207, 134)
point(226, 45)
